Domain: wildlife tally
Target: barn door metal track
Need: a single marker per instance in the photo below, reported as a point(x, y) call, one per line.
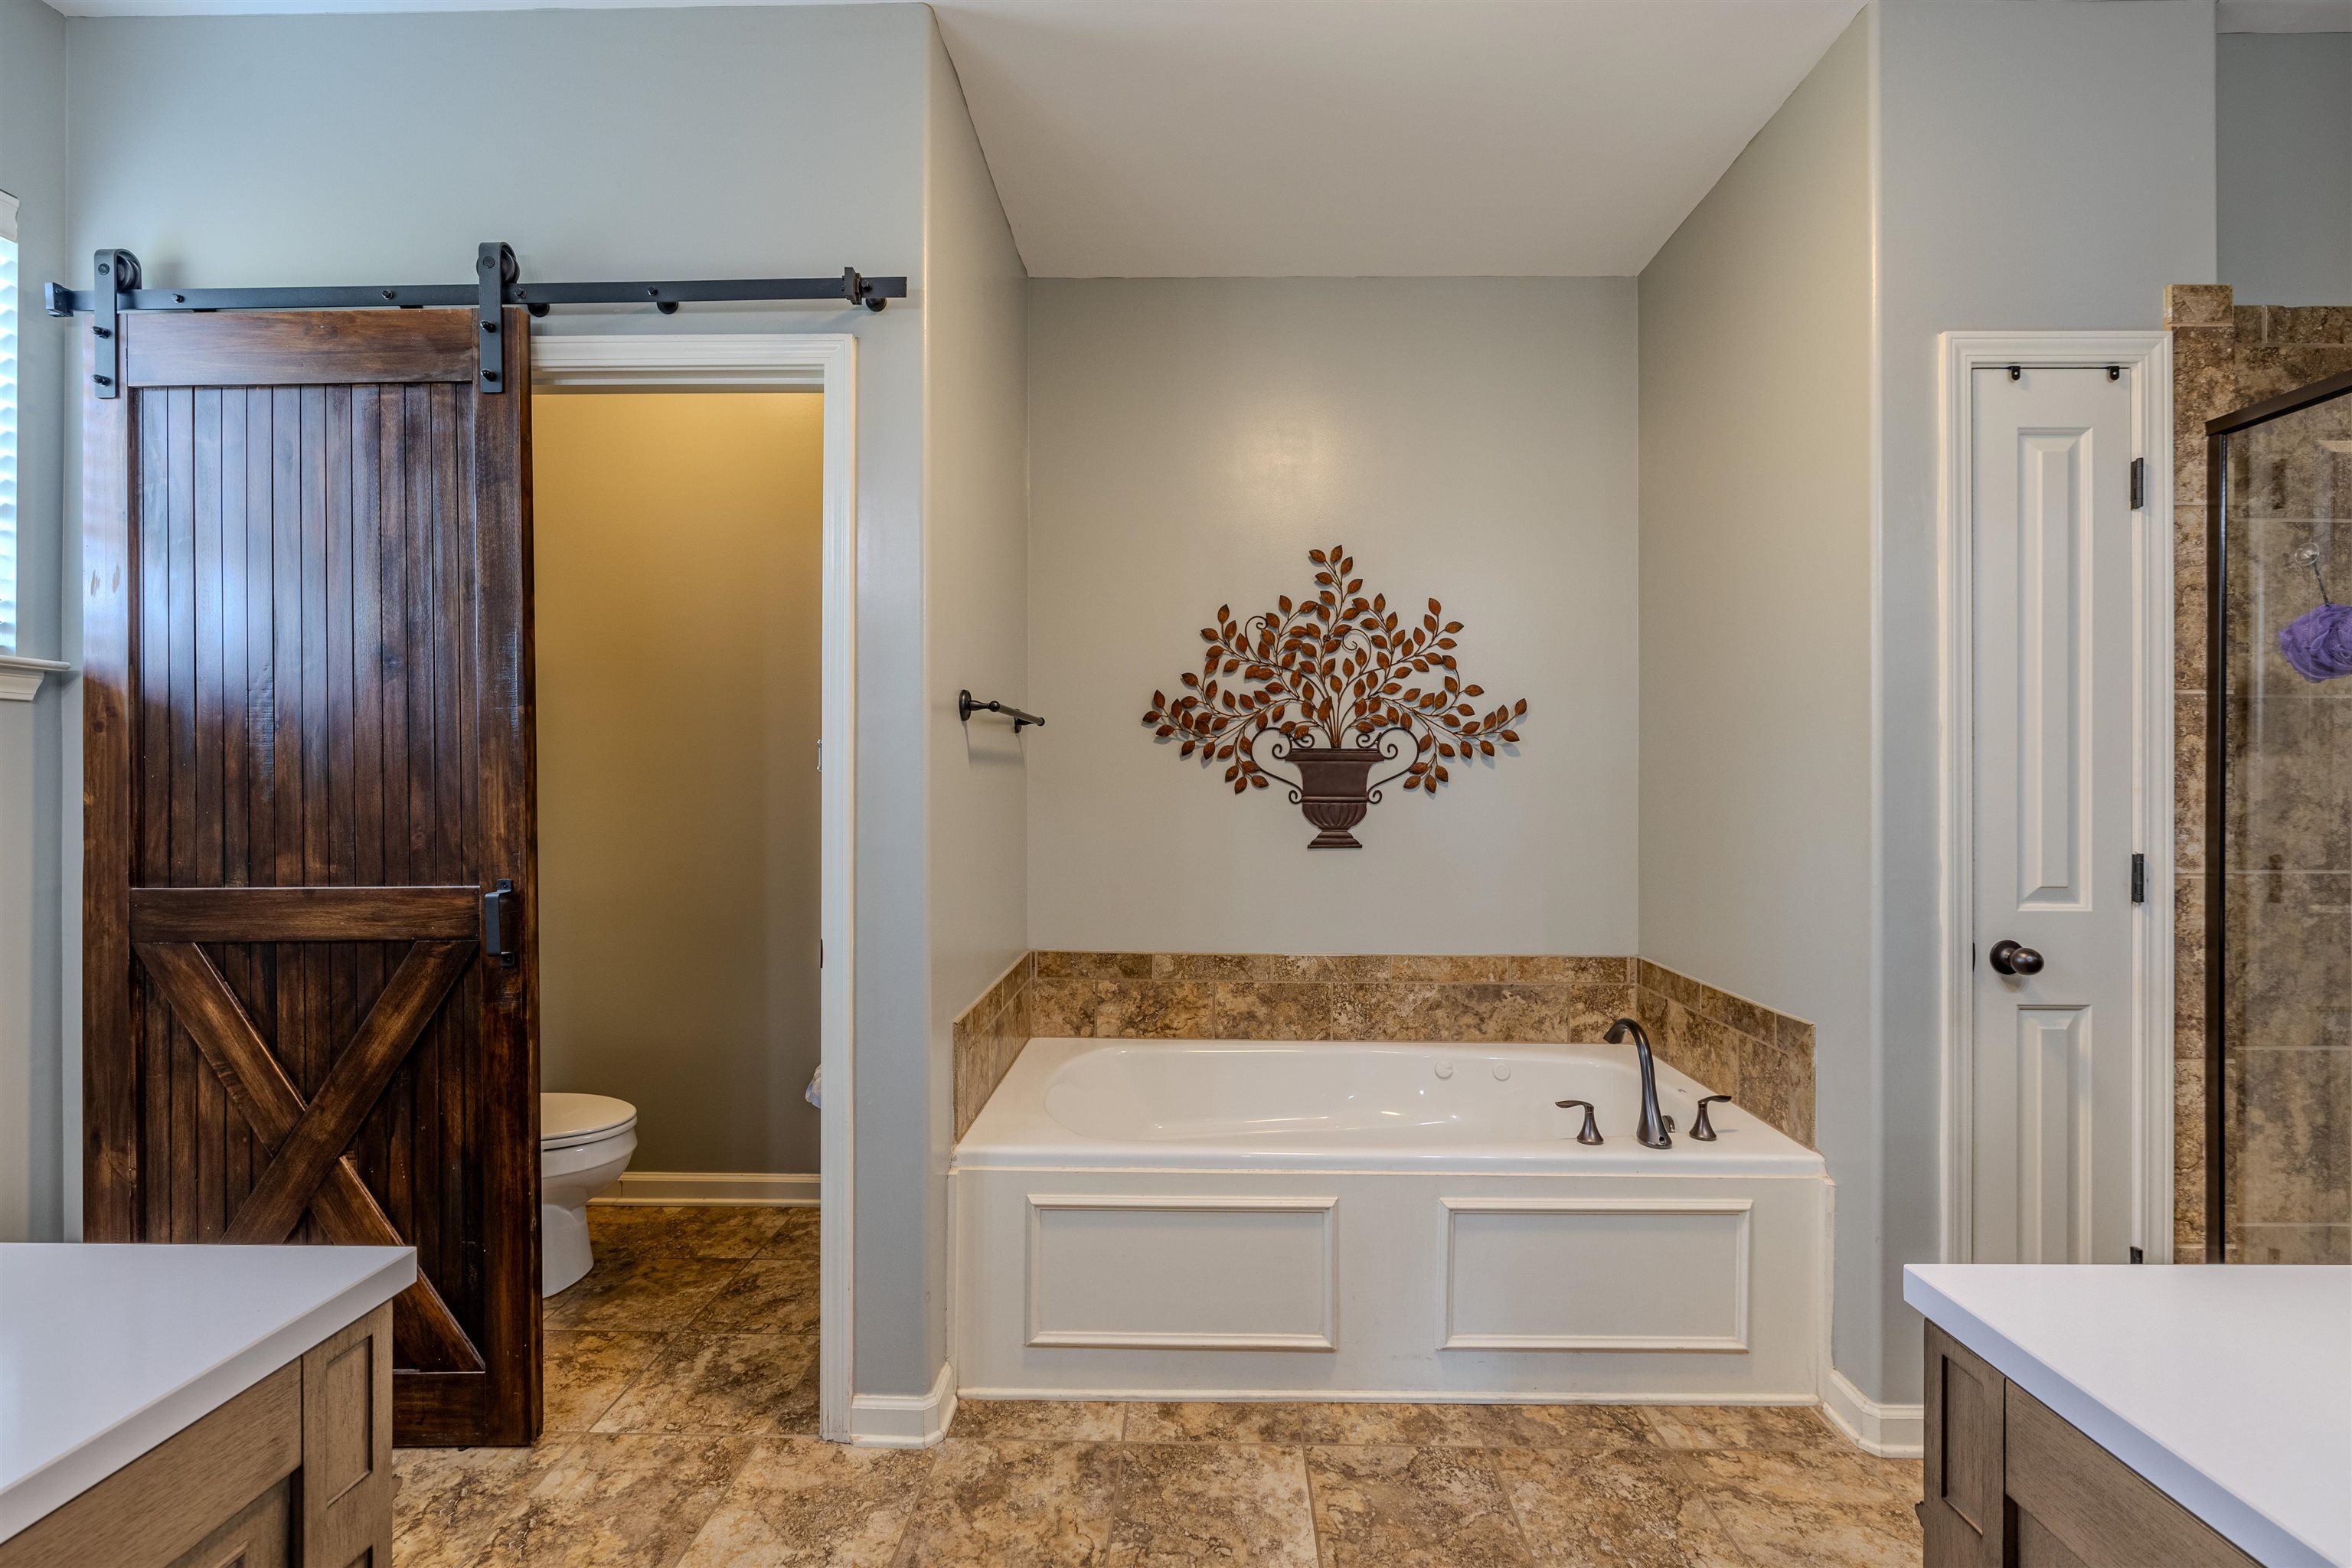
point(497, 283)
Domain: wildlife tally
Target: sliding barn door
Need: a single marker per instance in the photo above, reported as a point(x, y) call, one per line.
point(307, 721)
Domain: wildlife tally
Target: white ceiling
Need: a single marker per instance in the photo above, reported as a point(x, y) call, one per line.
point(1337, 138)
point(1346, 138)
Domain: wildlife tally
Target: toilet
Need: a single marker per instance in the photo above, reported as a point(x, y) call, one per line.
point(584, 1144)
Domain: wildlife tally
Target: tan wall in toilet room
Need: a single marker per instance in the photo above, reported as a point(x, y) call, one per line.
point(678, 548)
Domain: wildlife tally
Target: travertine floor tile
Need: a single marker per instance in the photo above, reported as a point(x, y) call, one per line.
point(1589, 1428)
point(1779, 1533)
point(798, 1234)
point(1095, 1421)
point(767, 1296)
point(621, 1501)
point(715, 1383)
point(1841, 1475)
point(1396, 1507)
point(1249, 1423)
point(1741, 1426)
point(1630, 1507)
point(1212, 1503)
point(451, 1502)
point(586, 1369)
point(688, 1357)
point(800, 1501)
point(1042, 1505)
point(654, 1293)
point(1586, 1428)
point(721, 1233)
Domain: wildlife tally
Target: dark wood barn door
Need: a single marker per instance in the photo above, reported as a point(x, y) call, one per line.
point(307, 721)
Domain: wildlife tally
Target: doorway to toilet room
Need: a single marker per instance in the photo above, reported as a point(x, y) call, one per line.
point(678, 594)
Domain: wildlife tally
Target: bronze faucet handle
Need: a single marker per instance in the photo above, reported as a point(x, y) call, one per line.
point(1592, 1132)
point(1702, 1129)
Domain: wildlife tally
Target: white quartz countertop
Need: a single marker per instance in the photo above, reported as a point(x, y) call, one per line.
point(2229, 1388)
point(106, 1351)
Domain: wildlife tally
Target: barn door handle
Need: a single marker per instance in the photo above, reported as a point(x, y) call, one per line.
point(2013, 958)
point(500, 911)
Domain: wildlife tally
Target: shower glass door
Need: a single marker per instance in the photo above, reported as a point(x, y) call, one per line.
point(2278, 908)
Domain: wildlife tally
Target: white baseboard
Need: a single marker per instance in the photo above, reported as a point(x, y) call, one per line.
point(646, 1189)
point(905, 1420)
point(1182, 1396)
point(1889, 1431)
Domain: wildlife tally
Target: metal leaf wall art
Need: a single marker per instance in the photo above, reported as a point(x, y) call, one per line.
point(1334, 684)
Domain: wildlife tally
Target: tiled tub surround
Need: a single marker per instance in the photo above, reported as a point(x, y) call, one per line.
point(2291, 1097)
point(1763, 1060)
point(987, 1037)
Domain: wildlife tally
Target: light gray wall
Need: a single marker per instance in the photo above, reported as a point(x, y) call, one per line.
point(722, 143)
point(975, 619)
point(2040, 166)
point(1468, 440)
point(32, 168)
point(2283, 104)
point(1756, 511)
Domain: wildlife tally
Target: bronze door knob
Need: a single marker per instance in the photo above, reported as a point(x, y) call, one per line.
point(2013, 958)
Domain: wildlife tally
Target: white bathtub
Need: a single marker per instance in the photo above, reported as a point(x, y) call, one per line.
point(1250, 1219)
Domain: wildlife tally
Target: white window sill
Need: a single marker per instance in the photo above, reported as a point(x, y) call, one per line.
point(20, 677)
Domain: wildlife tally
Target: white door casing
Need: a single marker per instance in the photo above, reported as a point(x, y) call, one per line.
point(2057, 1127)
point(825, 362)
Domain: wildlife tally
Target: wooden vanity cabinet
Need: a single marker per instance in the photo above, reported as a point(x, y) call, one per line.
point(295, 1472)
point(2010, 1483)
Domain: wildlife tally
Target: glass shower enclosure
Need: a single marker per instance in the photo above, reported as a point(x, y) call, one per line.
point(2278, 830)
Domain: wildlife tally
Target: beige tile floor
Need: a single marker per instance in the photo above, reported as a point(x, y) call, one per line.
point(681, 1419)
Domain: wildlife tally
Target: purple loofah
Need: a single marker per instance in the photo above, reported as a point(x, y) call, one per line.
point(2318, 643)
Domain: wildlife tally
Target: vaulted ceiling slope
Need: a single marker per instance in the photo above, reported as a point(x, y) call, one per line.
point(1368, 138)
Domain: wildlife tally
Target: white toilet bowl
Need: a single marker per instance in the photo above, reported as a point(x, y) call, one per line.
point(584, 1144)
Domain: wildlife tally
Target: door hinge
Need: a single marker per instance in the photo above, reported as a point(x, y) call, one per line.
point(2140, 878)
point(2138, 1256)
point(820, 952)
point(2138, 483)
point(1972, 955)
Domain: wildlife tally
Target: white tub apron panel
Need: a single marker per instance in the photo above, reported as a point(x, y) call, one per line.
point(1128, 1271)
point(1428, 1244)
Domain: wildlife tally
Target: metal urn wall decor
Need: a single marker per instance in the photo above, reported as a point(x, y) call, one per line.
point(1334, 685)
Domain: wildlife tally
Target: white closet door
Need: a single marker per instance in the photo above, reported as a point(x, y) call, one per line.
point(2054, 636)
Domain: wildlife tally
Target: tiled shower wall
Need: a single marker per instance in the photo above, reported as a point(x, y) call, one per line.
point(1761, 1059)
point(2288, 1135)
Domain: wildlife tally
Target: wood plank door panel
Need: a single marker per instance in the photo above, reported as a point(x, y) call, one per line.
point(309, 753)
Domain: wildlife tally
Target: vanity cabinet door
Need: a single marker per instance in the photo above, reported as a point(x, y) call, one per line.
point(2010, 1483)
point(1961, 1514)
point(166, 1509)
point(2069, 1492)
point(256, 1538)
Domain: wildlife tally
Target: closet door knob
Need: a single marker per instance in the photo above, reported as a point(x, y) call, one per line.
point(2009, 957)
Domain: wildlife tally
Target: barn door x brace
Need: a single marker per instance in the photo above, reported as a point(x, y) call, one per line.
point(497, 283)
